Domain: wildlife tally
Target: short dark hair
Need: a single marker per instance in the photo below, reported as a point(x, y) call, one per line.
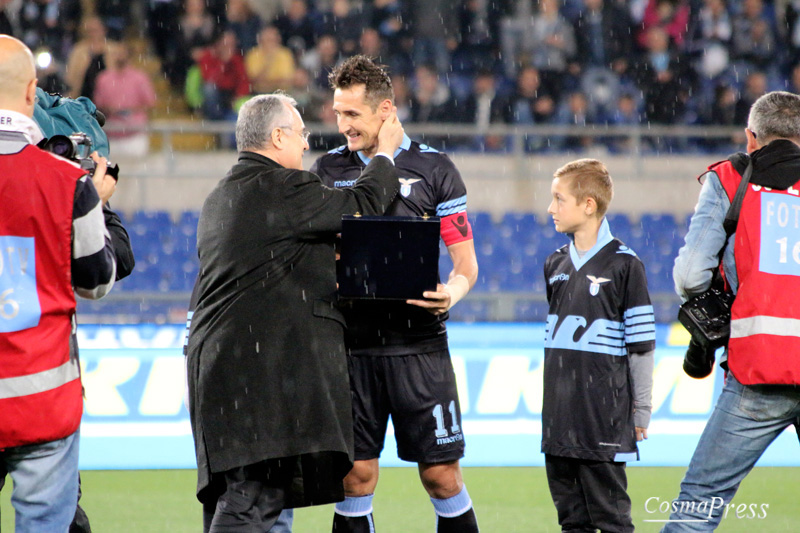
point(363, 70)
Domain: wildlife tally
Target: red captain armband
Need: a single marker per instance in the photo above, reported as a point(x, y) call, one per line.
point(455, 228)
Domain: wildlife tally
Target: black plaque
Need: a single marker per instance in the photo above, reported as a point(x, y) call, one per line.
point(388, 258)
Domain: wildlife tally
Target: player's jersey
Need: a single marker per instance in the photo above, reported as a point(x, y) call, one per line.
point(431, 185)
point(600, 311)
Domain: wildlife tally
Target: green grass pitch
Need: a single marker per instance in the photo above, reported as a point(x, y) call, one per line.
point(506, 500)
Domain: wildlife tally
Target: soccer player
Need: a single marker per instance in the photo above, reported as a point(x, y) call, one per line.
point(397, 351)
point(598, 364)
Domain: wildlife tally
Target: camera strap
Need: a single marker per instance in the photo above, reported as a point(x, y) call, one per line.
point(731, 220)
point(732, 217)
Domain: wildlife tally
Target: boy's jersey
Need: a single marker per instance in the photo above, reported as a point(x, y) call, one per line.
point(430, 185)
point(600, 311)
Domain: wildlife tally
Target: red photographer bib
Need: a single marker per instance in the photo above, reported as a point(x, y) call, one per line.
point(764, 346)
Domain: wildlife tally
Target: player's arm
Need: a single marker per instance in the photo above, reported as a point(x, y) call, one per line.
point(456, 233)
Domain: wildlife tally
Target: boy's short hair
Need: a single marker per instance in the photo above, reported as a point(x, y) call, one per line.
point(588, 178)
point(362, 70)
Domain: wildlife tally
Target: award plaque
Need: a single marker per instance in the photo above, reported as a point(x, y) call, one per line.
point(388, 258)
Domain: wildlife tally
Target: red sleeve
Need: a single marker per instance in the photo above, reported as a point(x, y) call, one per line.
point(455, 228)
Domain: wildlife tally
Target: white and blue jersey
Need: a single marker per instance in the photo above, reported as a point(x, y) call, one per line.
point(600, 312)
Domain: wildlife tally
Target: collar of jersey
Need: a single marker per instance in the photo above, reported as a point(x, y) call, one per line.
point(404, 146)
point(603, 237)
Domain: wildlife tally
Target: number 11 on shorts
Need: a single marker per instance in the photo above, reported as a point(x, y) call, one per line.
point(438, 414)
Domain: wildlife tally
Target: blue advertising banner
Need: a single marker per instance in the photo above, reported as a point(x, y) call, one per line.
point(134, 415)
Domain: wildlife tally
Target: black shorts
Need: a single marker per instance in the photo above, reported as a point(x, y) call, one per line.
point(419, 393)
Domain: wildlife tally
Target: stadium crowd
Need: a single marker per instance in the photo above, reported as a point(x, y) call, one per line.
point(554, 62)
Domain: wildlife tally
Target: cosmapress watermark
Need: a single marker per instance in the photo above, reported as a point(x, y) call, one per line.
point(702, 510)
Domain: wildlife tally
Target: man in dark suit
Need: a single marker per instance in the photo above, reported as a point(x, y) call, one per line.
point(268, 380)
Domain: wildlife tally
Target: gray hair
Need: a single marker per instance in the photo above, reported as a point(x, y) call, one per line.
point(259, 116)
point(775, 115)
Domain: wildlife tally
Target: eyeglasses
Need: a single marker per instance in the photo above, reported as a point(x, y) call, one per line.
point(305, 133)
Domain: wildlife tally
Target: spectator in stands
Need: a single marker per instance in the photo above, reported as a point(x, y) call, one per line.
point(430, 98)
point(197, 30)
point(270, 65)
point(478, 47)
point(309, 98)
point(603, 35)
point(482, 107)
point(670, 15)
point(723, 113)
point(125, 95)
point(371, 44)
point(320, 60)
point(549, 45)
point(345, 23)
point(754, 42)
point(573, 111)
point(9, 18)
point(297, 27)
point(514, 24)
point(529, 104)
point(661, 76)
point(244, 23)
point(794, 80)
point(708, 42)
point(755, 86)
point(162, 26)
point(39, 24)
point(788, 22)
point(88, 58)
point(224, 78)
point(116, 15)
point(388, 18)
point(402, 98)
point(627, 113)
point(434, 28)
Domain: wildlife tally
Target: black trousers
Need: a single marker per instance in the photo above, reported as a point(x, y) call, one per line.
point(252, 500)
point(589, 495)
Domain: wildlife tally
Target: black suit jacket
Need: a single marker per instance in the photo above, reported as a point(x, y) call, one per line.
point(267, 369)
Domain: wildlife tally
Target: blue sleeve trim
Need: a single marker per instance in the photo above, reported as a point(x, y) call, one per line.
point(450, 207)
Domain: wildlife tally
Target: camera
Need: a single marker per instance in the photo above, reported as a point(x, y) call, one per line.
point(699, 360)
point(708, 318)
point(78, 148)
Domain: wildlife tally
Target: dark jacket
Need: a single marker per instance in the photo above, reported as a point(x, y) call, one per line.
point(267, 369)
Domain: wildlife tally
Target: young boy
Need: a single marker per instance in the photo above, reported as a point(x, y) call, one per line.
point(598, 364)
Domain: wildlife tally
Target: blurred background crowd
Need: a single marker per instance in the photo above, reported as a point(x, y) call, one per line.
point(556, 62)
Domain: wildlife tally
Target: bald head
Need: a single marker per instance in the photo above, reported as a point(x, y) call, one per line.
point(17, 76)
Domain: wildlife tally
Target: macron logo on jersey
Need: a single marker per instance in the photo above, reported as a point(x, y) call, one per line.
point(558, 277)
point(344, 183)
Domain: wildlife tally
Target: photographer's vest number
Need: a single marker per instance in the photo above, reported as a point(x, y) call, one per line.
point(40, 387)
point(764, 347)
point(19, 300)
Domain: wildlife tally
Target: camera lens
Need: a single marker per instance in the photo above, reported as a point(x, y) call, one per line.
point(699, 360)
point(61, 145)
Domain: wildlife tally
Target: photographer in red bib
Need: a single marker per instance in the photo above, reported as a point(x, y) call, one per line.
point(761, 266)
point(53, 244)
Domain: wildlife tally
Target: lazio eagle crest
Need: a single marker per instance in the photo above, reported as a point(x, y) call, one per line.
point(594, 288)
point(405, 185)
